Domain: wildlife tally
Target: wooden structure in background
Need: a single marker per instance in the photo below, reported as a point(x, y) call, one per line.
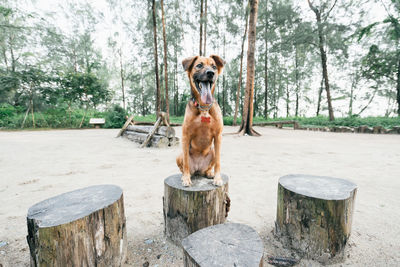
point(159, 135)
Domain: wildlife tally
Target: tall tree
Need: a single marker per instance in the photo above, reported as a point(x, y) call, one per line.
point(158, 92)
point(122, 74)
point(321, 44)
point(165, 61)
point(266, 25)
point(205, 28)
point(201, 28)
point(382, 63)
point(241, 66)
point(247, 116)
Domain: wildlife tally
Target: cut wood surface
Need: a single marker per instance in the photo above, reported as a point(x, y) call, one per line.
point(314, 214)
point(173, 141)
point(188, 209)
point(85, 227)
point(162, 130)
point(157, 141)
point(229, 244)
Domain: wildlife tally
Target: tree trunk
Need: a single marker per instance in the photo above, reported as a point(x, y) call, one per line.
point(297, 82)
point(184, 208)
point(287, 97)
point(241, 66)
point(84, 116)
point(201, 29)
point(247, 115)
point(369, 102)
point(314, 214)
point(321, 88)
point(13, 61)
point(176, 82)
point(158, 92)
point(229, 244)
point(351, 101)
point(398, 88)
point(165, 62)
point(33, 114)
point(223, 82)
point(205, 28)
point(26, 115)
point(274, 96)
point(266, 62)
point(85, 227)
point(122, 78)
point(321, 44)
point(142, 89)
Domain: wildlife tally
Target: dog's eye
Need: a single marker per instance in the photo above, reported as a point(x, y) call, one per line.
point(199, 66)
point(214, 67)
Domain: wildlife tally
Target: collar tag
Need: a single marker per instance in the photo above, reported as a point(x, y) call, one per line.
point(205, 119)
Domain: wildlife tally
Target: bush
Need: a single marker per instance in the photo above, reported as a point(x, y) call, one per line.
point(115, 117)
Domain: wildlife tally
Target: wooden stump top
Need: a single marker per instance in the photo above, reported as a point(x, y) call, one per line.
point(230, 244)
point(73, 205)
point(321, 187)
point(199, 183)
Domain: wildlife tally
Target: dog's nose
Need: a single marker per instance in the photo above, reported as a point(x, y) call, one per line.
point(210, 74)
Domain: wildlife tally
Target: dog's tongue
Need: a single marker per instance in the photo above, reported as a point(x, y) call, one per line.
point(206, 96)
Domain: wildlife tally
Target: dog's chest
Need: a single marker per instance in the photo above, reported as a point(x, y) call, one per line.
point(203, 131)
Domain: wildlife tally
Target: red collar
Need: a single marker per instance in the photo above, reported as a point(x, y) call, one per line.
point(200, 107)
point(203, 119)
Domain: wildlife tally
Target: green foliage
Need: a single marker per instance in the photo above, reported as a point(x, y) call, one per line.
point(6, 111)
point(115, 117)
point(353, 121)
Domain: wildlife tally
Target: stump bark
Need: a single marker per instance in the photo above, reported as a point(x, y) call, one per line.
point(314, 214)
point(188, 209)
point(223, 245)
point(85, 227)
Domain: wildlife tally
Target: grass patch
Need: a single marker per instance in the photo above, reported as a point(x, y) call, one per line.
point(64, 118)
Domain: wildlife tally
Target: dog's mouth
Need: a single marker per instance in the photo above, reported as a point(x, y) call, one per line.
point(204, 88)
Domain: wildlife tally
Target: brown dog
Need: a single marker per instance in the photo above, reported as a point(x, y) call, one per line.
point(203, 121)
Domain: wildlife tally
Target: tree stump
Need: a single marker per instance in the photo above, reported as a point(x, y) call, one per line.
point(224, 245)
point(314, 214)
point(188, 209)
point(85, 227)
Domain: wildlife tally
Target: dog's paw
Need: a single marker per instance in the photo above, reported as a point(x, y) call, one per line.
point(186, 180)
point(218, 180)
point(210, 174)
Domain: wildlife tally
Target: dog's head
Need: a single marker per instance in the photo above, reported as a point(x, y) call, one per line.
point(203, 73)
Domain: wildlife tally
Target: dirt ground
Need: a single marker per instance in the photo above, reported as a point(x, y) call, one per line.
point(35, 165)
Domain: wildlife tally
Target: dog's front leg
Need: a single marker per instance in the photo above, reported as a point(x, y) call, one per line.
point(186, 168)
point(217, 168)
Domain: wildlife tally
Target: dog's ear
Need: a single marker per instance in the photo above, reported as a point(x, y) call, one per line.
point(219, 61)
point(187, 63)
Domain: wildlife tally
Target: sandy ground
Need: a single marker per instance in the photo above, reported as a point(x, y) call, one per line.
point(35, 165)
